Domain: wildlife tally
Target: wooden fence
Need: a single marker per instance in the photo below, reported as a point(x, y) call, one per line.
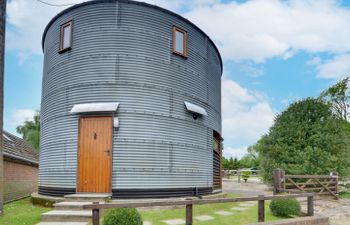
point(318, 184)
point(96, 207)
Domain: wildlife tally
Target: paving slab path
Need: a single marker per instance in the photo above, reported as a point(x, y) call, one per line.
point(203, 218)
point(174, 221)
point(223, 213)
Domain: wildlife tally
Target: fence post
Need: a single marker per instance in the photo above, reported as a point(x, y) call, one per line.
point(189, 214)
point(96, 215)
point(261, 209)
point(335, 174)
point(239, 175)
point(278, 180)
point(310, 205)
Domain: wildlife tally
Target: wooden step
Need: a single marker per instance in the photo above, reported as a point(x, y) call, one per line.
point(62, 223)
point(70, 205)
point(88, 197)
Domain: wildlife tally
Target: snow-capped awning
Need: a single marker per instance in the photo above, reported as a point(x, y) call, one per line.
point(195, 109)
point(95, 107)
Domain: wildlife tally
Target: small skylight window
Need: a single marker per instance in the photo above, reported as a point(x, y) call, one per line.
point(179, 42)
point(66, 37)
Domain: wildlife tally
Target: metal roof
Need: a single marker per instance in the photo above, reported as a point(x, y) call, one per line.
point(131, 2)
point(195, 109)
point(95, 107)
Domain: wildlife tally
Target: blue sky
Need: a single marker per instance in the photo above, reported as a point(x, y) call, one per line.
point(274, 53)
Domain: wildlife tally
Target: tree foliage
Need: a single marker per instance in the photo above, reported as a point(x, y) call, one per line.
point(307, 138)
point(30, 131)
point(230, 164)
point(338, 96)
point(247, 161)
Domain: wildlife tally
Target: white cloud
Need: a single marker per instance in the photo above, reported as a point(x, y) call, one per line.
point(334, 68)
point(254, 30)
point(260, 29)
point(235, 152)
point(27, 20)
point(20, 116)
point(246, 114)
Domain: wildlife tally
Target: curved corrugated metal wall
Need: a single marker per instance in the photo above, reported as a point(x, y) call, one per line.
point(121, 52)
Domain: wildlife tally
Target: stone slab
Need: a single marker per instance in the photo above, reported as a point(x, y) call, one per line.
point(247, 204)
point(239, 209)
point(203, 218)
point(174, 221)
point(224, 213)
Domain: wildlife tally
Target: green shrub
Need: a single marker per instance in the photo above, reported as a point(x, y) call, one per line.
point(42, 202)
point(344, 194)
point(122, 217)
point(285, 207)
point(246, 175)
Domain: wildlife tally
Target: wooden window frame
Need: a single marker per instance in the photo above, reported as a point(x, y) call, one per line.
point(184, 54)
point(64, 25)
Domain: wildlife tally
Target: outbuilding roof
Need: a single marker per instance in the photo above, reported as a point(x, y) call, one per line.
point(17, 149)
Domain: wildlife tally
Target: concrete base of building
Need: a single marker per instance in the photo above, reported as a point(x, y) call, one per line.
point(45, 200)
point(136, 193)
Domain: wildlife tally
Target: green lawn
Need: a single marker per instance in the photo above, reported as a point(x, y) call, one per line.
point(248, 216)
point(344, 194)
point(22, 212)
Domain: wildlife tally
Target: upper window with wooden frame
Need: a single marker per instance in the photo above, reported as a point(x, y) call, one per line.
point(179, 42)
point(66, 37)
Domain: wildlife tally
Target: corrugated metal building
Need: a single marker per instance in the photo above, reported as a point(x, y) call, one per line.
point(131, 103)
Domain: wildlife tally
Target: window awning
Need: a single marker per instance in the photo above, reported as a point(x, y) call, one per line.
point(95, 107)
point(195, 109)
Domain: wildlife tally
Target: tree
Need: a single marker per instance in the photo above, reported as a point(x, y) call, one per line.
point(30, 131)
point(338, 96)
point(236, 165)
point(230, 164)
point(225, 164)
point(307, 138)
point(250, 159)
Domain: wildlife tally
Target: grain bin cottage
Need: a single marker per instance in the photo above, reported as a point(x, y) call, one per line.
point(131, 103)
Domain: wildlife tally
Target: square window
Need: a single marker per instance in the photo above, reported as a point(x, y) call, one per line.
point(66, 37)
point(179, 42)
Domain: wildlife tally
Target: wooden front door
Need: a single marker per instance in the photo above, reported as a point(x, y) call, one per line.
point(95, 154)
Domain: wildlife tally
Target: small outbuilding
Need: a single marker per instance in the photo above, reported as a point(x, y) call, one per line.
point(20, 168)
point(131, 103)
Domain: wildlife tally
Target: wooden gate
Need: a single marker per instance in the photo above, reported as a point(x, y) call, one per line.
point(319, 184)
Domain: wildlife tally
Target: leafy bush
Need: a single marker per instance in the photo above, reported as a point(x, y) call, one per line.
point(306, 138)
point(285, 207)
point(246, 175)
point(122, 217)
